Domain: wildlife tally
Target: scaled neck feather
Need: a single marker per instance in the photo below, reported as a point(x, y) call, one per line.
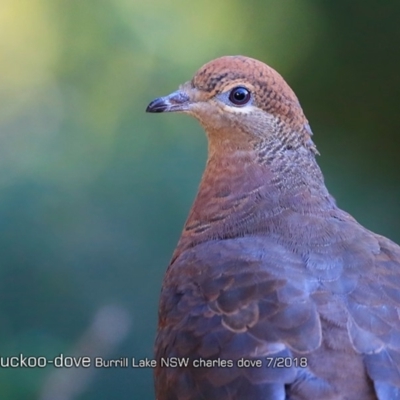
point(241, 192)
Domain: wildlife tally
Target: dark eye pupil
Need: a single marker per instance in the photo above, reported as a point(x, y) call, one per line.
point(239, 96)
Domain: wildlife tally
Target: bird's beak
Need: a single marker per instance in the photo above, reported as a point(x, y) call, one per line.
point(176, 101)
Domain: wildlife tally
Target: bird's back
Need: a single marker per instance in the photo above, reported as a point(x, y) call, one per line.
point(320, 313)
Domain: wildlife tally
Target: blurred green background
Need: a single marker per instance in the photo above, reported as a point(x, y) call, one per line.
point(94, 192)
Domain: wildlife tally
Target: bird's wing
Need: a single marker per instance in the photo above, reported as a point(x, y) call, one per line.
point(216, 305)
point(253, 298)
point(374, 322)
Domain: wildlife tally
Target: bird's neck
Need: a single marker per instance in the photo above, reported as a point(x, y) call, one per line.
point(242, 191)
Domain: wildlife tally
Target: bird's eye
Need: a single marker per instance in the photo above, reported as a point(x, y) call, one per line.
point(239, 96)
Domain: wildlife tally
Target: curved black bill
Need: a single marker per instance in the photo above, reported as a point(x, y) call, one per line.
point(177, 101)
point(157, 105)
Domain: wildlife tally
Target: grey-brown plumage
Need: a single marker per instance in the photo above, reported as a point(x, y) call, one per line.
point(268, 267)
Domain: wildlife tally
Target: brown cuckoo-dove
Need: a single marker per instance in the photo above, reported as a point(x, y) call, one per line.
point(273, 292)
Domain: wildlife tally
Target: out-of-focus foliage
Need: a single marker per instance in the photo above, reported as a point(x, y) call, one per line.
point(94, 192)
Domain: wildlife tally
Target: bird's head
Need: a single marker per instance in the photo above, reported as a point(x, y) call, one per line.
point(241, 102)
